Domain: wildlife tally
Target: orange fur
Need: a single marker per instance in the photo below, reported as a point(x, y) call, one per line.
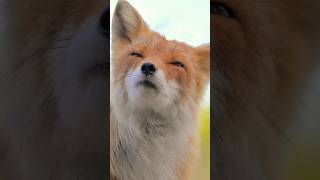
point(149, 44)
point(132, 34)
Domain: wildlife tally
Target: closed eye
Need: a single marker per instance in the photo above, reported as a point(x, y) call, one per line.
point(136, 54)
point(178, 64)
point(221, 9)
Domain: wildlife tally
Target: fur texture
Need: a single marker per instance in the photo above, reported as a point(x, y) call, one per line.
point(53, 90)
point(154, 127)
point(263, 53)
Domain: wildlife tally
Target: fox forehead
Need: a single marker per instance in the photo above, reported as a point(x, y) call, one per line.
point(154, 44)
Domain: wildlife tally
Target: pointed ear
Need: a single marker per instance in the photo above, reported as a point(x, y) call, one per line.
point(127, 23)
point(203, 54)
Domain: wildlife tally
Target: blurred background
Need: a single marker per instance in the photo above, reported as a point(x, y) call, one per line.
point(303, 138)
point(187, 21)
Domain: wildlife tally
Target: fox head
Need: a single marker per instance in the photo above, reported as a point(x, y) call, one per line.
point(148, 68)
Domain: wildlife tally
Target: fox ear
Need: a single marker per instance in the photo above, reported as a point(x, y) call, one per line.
point(203, 54)
point(126, 23)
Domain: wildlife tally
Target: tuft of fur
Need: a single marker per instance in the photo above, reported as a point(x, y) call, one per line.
point(153, 131)
point(261, 61)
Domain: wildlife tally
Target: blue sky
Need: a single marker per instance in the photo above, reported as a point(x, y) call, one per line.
point(182, 20)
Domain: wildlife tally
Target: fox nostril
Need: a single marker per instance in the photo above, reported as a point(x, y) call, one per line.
point(143, 68)
point(152, 68)
point(148, 69)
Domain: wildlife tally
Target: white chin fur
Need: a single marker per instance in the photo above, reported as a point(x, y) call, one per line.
point(142, 97)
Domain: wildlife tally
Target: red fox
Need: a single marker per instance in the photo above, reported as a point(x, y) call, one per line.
point(263, 53)
point(156, 88)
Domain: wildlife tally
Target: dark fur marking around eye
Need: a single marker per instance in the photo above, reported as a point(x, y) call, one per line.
point(136, 54)
point(178, 64)
point(221, 9)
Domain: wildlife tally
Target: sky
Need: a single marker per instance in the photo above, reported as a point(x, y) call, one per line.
point(182, 20)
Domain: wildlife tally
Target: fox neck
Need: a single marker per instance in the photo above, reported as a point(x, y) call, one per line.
point(147, 144)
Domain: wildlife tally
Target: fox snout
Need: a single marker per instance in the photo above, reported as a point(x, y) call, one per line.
point(148, 69)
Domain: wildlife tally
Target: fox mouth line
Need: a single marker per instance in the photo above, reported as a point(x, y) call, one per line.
point(147, 84)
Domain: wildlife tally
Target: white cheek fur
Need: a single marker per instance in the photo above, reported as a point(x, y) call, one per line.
point(165, 94)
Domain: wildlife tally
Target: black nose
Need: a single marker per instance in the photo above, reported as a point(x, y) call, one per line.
point(148, 69)
point(104, 22)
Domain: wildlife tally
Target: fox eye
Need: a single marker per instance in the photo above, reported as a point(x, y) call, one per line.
point(178, 64)
point(221, 9)
point(136, 54)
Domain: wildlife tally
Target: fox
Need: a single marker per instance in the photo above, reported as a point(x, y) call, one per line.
point(54, 59)
point(156, 88)
point(263, 55)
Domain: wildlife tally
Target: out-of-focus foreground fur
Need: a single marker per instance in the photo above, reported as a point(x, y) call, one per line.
point(53, 114)
point(262, 58)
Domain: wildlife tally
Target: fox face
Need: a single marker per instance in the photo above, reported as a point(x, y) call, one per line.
point(150, 68)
